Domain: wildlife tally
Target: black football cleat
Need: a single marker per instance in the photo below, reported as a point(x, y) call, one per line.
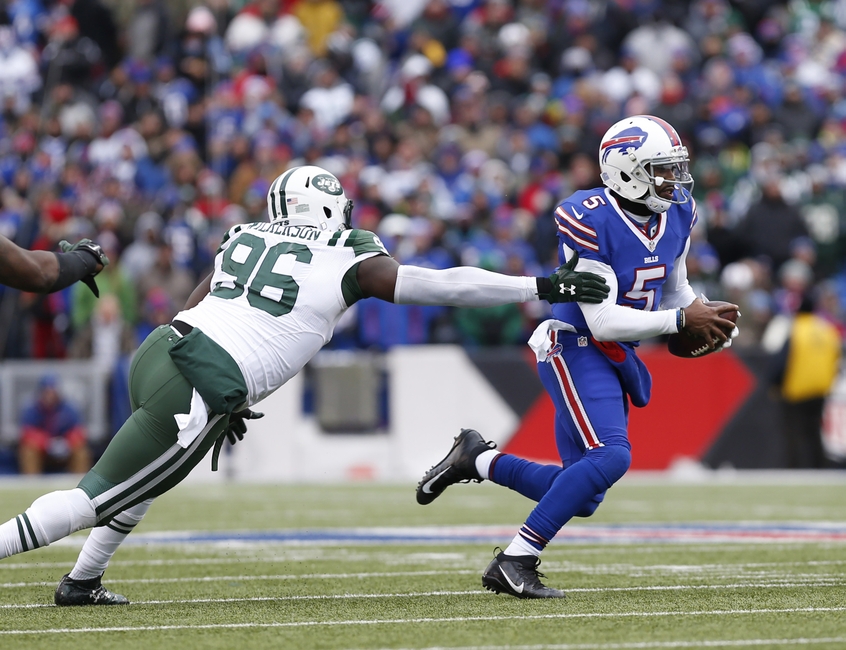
point(518, 576)
point(86, 592)
point(459, 466)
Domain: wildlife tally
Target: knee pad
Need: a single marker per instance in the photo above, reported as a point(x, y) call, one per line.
point(613, 461)
point(58, 514)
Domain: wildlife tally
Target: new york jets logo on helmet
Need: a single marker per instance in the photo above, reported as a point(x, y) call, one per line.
point(328, 184)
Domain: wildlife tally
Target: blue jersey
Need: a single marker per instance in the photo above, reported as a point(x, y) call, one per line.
point(592, 223)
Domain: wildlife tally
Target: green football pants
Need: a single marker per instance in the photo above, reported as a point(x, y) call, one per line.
point(144, 460)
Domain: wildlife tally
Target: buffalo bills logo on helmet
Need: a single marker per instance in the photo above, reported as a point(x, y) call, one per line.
point(631, 138)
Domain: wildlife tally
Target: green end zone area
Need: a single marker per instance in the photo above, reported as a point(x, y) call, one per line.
point(662, 564)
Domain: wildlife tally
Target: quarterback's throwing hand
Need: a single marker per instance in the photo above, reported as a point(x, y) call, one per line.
point(569, 285)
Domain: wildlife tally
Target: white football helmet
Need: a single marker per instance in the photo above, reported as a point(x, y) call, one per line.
point(632, 149)
point(309, 196)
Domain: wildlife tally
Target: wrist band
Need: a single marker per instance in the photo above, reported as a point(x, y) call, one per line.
point(73, 266)
point(679, 319)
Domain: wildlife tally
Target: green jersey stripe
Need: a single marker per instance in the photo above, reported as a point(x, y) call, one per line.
point(343, 240)
point(362, 241)
point(334, 238)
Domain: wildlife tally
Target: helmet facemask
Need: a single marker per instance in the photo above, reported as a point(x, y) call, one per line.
point(674, 171)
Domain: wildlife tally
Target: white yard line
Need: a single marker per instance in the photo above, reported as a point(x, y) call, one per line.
point(836, 580)
point(425, 594)
point(413, 621)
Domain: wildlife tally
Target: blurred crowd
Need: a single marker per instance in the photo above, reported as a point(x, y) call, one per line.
point(455, 125)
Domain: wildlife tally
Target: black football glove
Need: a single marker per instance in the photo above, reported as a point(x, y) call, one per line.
point(237, 425)
point(234, 432)
point(568, 285)
point(93, 249)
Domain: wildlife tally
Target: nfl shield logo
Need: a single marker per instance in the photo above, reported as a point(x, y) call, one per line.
point(582, 342)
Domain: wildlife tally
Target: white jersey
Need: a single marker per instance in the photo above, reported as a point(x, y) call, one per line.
point(276, 296)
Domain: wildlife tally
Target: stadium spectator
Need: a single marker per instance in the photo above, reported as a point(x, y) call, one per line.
point(113, 281)
point(771, 225)
point(148, 32)
point(53, 434)
point(805, 370)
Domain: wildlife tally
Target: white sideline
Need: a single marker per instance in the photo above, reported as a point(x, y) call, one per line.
point(404, 621)
point(820, 580)
point(426, 594)
point(726, 643)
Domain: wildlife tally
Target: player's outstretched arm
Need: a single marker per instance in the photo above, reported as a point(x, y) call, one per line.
point(464, 286)
point(45, 272)
point(27, 270)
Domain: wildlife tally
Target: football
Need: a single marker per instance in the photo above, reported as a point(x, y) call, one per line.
point(690, 346)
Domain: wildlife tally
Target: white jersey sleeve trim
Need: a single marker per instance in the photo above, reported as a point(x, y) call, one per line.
point(609, 321)
point(463, 286)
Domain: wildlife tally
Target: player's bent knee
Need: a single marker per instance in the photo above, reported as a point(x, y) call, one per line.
point(61, 513)
point(590, 507)
point(612, 460)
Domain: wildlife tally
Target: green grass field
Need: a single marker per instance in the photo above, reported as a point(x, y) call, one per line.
point(730, 563)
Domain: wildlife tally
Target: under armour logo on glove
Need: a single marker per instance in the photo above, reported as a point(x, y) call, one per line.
point(569, 285)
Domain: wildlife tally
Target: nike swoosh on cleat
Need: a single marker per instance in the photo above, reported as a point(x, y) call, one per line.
point(425, 487)
point(519, 589)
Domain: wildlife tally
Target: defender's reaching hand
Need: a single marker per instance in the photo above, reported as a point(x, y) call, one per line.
point(569, 285)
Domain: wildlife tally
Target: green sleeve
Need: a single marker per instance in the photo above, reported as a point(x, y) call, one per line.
point(362, 242)
point(349, 286)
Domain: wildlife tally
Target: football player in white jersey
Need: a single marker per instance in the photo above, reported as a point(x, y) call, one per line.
point(272, 301)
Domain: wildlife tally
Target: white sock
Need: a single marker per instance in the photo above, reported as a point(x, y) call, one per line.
point(104, 541)
point(520, 546)
point(50, 517)
point(483, 462)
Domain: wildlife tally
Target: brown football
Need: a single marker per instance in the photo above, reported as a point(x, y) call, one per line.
point(690, 346)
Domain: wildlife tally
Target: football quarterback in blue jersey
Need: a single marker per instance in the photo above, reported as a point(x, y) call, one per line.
point(634, 232)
